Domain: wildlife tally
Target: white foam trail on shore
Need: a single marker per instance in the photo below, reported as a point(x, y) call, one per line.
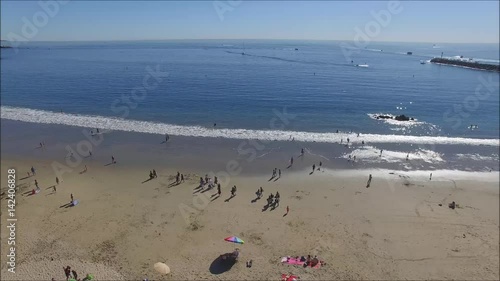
point(371, 154)
point(110, 123)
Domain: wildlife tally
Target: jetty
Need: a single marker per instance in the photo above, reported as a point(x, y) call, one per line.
point(469, 64)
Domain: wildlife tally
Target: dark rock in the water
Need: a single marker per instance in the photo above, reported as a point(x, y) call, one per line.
point(398, 118)
point(403, 118)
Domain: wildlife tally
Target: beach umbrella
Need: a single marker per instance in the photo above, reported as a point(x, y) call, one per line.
point(234, 239)
point(162, 268)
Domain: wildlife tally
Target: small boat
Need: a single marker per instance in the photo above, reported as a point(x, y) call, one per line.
point(409, 53)
point(296, 49)
point(422, 62)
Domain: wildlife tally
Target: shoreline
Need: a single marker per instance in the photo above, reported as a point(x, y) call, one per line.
point(253, 157)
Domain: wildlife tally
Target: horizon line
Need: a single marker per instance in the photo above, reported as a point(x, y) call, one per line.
point(262, 39)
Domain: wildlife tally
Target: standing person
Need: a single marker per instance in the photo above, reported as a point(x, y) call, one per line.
point(320, 164)
point(302, 151)
point(430, 176)
point(347, 140)
point(33, 171)
point(219, 192)
point(182, 177)
point(369, 181)
point(407, 156)
point(72, 197)
point(154, 173)
point(75, 276)
point(216, 181)
point(314, 167)
point(291, 161)
point(113, 159)
point(36, 183)
point(279, 173)
point(67, 272)
point(233, 191)
point(98, 133)
point(381, 152)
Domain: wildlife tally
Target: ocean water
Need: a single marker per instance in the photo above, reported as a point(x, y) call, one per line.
point(243, 85)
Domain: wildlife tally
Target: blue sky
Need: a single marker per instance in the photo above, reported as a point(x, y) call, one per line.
point(425, 21)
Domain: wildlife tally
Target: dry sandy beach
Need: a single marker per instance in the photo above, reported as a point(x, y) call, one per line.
point(122, 226)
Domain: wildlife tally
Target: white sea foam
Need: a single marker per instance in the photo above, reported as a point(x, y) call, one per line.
point(110, 123)
point(371, 154)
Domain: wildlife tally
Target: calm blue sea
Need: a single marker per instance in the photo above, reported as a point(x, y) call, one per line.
point(239, 84)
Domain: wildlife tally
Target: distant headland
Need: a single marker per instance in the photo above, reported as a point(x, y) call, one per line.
point(469, 64)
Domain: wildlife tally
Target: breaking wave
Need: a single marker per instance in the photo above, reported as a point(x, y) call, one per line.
point(111, 123)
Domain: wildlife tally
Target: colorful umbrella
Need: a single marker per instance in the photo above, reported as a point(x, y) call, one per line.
point(234, 239)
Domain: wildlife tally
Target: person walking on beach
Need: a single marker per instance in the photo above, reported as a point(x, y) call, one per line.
point(302, 152)
point(67, 272)
point(407, 156)
point(113, 159)
point(291, 161)
point(369, 181)
point(430, 176)
point(320, 164)
point(219, 192)
point(233, 191)
point(182, 177)
point(72, 199)
point(279, 173)
point(216, 180)
point(154, 174)
point(33, 171)
point(347, 140)
point(381, 152)
point(314, 167)
point(36, 183)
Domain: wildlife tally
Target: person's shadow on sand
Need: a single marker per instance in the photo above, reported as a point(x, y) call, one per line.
point(232, 196)
point(220, 266)
point(147, 180)
point(67, 205)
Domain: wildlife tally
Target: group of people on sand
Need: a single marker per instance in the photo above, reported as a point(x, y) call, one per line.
point(276, 173)
point(179, 177)
point(273, 200)
point(152, 174)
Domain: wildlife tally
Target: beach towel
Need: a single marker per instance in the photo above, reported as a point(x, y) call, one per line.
point(294, 261)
